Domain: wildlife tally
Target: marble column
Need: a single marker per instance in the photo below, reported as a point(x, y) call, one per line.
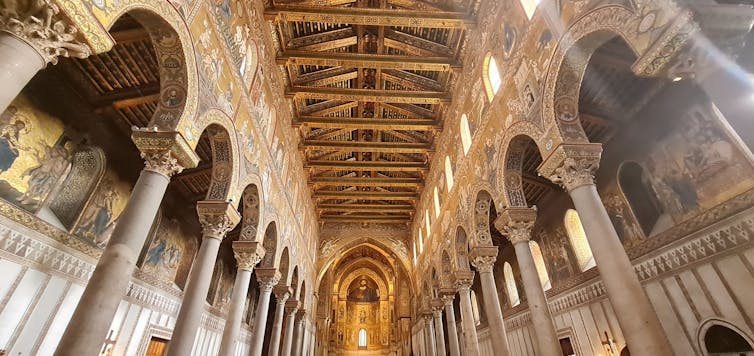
point(437, 307)
point(90, 322)
point(267, 279)
point(483, 258)
point(28, 42)
point(282, 293)
point(429, 332)
point(248, 254)
point(291, 308)
point(516, 224)
point(299, 335)
point(638, 320)
point(216, 218)
point(450, 319)
point(463, 282)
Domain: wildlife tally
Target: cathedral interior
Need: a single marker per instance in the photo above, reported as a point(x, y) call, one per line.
point(376, 177)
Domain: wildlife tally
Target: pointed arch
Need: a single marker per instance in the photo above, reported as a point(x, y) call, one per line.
point(482, 234)
point(449, 173)
point(462, 249)
point(270, 243)
point(251, 213)
point(465, 134)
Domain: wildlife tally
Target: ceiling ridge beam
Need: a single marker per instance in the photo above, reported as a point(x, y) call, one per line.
point(373, 95)
point(365, 123)
point(360, 195)
point(362, 60)
point(366, 181)
point(368, 165)
point(371, 17)
point(366, 146)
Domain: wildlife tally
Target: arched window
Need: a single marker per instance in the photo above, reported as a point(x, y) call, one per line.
point(414, 253)
point(428, 223)
point(510, 285)
point(449, 173)
point(363, 339)
point(577, 236)
point(637, 189)
point(475, 308)
point(492, 78)
point(437, 203)
point(421, 242)
point(539, 262)
point(465, 134)
point(719, 340)
point(529, 7)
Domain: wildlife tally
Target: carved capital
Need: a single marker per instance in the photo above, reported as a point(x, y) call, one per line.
point(267, 278)
point(282, 293)
point(437, 307)
point(301, 315)
point(216, 218)
point(463, 280)
point(165, 152)
point(572, 165)
point(292, 306)
point(248, 254)
point(447, 299)
point(516, 223)
point(47, 29)
point(483, 258)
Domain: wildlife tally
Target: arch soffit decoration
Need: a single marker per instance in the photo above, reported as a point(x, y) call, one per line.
point(362, 263)
point(480, 216)
point(252, 233)
point(348, 279)
point(511, 167)
point(343, 247)
point(178, 70)
point(225, 157)
point(655, 33)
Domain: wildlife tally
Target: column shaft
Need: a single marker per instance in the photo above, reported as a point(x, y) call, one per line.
point(638, 320)
point(20, 62)
point(544, 330)
point(430, 332)
point(108, 285)
point(260, 321)
point(194, 297)
point(289, 328)
point(235, 313)
point(439, 334)
point(494, 313)
point(467, 322)
point(450, 318)
point(277, 328)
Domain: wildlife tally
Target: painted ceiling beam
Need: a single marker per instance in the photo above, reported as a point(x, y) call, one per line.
point(370, 17)
point(359, 60)
point(373, 95)
point(365, 146)
point(367, 208)
point(377, 219)
point(362, 123)
point(360, 195)
point(367, 181)
point(368, 166)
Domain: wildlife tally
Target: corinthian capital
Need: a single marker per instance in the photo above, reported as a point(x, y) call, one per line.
point(248, 254)
point(516, 223)
point(447, 299)
point(216, 218)
point(572, 165)
point(42, 25)
point(267, 278)
point(164, 152)
point(464, 280)
point(483, 258)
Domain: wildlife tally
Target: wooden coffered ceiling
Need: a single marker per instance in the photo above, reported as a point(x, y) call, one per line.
point(369, 81)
